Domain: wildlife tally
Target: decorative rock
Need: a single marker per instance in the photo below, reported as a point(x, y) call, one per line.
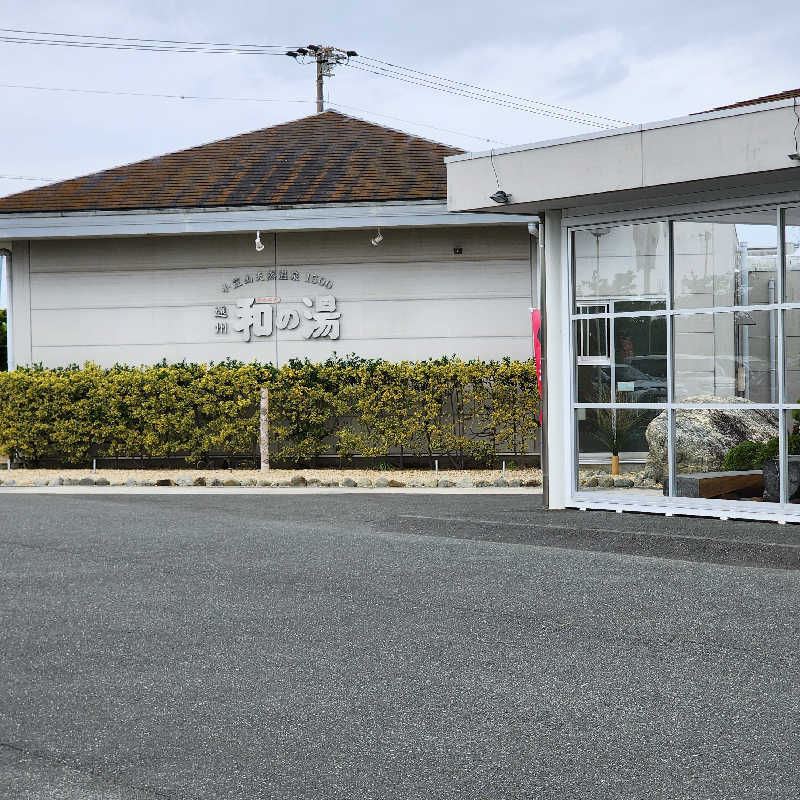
point(349, 482)
point(704, 436)
point(606, 482)
point(199, 481)
point(592, 481)
point(86, 482)
point(382, 482)
point(482, 484)
point(56, 482)
point(165, 482)
point(262, 482)
point(329, 483)
point(501, 481)
point(445, 483)
point(216, 482)
point(71, 482)
point(465, 483)
point(231, 482)
point(102, 482)
point(515, 482)
point(41, 482)
point(364, 483)
point(298, 480)
point(532, 482)
point(182, 480)
point(313, 482)
point(10, 482)
point(623, 483)
point(131, 482)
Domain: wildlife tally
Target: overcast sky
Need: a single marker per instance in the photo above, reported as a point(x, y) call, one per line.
point(633, 61)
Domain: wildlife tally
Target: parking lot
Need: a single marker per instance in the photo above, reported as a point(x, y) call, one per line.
point(280, 645)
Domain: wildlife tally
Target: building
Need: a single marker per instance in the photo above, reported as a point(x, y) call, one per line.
point(671, 290)
point(325, 234)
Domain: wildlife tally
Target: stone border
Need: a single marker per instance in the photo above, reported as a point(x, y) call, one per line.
point(295, 482)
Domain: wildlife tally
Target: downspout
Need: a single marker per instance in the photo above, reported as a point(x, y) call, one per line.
point(6, 254)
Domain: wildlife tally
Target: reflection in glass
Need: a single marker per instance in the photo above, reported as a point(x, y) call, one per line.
point(792, 256)
point(724, 356)
point(627, 261)
point(791, 340)
point(793, 457)
point(604, 433)
point(724, 454)
point(730, 263)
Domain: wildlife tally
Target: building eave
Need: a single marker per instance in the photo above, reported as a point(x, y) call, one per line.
point(79, 224)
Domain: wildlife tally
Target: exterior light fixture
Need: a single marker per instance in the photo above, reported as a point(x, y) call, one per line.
point(795, 157)
point(376, 239)
point(500, 197)
point(259, 244)
point(291, 54)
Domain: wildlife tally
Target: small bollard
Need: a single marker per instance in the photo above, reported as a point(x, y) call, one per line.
point(8, 464)
point(94, 465)
point(436, 466)
point(504, 469)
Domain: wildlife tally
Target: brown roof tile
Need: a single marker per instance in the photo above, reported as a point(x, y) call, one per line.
point(325, 158)
point(769, 98)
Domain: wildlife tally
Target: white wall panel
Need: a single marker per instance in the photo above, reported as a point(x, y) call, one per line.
point(140, 300)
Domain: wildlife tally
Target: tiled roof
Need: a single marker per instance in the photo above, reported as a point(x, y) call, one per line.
point(325, 158)
point(769, 98)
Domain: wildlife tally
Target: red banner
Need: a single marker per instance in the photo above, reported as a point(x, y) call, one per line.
point(536, 324)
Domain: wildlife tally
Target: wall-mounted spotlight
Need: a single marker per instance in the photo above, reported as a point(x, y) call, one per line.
point(259, 244)
point(376, 239)
point(500, 197)
point(795, 157)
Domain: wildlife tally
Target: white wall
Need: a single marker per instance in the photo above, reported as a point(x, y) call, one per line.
point(142, 299)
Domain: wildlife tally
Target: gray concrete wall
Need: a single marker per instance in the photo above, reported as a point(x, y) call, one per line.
point(142, 299)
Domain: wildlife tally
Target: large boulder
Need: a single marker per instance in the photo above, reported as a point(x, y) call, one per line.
point(704, 436)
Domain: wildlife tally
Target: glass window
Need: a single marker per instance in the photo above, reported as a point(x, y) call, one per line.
point(723, 356)
point(723, 454)
point(792, 255)
point(729, 260)
point(627, 261)
point(605, 432)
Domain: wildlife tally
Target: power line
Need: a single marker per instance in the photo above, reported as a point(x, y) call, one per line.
point(423, 124)
point(371, 65)
point(166, 96)
point(135, 39)
point(481, 98)
point(124, 93)
point(23, 178)
point(494, 92)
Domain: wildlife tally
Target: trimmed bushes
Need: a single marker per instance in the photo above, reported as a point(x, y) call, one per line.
point(463, 411)
point(752, 455)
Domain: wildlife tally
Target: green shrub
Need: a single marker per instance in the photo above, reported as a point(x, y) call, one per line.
point(463, 411)
point(752, 455)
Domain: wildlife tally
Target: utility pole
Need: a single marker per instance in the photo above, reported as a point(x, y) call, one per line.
point(326, 59)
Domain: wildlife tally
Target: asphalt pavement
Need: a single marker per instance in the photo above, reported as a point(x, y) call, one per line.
point(392, 646)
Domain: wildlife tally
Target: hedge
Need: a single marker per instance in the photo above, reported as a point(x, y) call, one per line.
point(466, 412)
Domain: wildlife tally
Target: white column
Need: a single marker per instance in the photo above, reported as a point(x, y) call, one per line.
point(559, 446)
point(20, 301)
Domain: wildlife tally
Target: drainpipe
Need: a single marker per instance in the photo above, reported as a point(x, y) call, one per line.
point(6, 254)
point(772, 384)
point(744, 330)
